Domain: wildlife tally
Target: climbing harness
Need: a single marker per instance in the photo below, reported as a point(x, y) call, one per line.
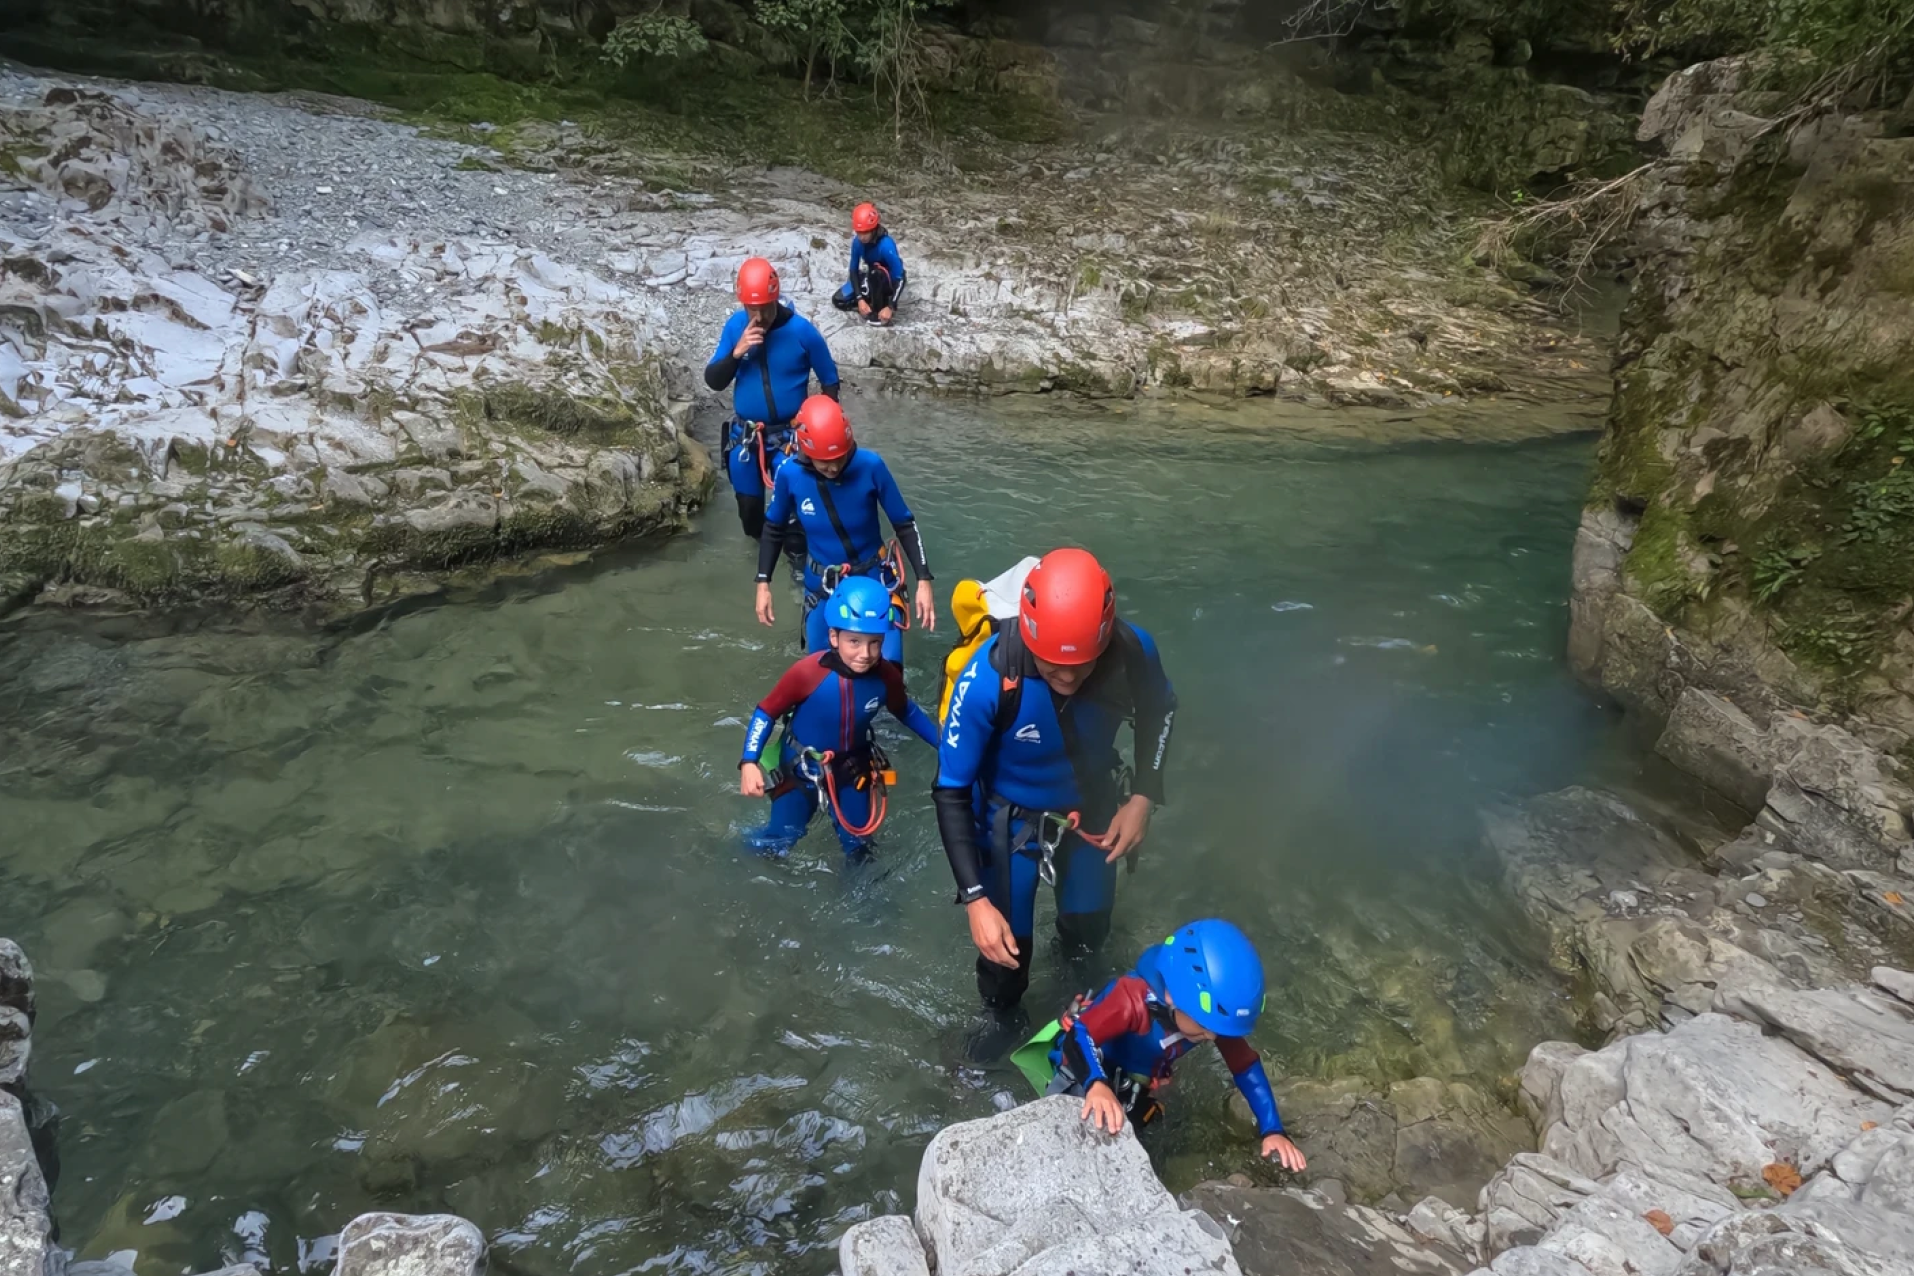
point(1042, 834)
point(752, 440)
point(887, 566)
point(816, 766)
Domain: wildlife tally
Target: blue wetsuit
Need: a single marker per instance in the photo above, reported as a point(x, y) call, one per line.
point(842, 533)
point(1127, 1038)
point(998, 774)
point(881, 256)
point(772, 382)
point(829, 709)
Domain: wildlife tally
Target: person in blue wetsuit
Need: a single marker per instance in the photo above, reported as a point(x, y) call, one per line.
point(770, 352)
point(826, 702)
point(1118, 1049)
point(1028, 764)
point(876, 286)
point(833, 492)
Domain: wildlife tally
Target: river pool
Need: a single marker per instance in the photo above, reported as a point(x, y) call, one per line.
point(450, 912)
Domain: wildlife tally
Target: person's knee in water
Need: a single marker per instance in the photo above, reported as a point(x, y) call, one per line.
point(1118, 1048)
point(1028, 761)
point(824, 752)
point(838, 495)
point(767, 355)
point(875, 288)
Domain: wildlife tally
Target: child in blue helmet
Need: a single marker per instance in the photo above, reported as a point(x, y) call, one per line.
point(827, 702)
point(1118, 1048)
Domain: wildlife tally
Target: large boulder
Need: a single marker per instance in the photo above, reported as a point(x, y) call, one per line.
point(1036, 1191)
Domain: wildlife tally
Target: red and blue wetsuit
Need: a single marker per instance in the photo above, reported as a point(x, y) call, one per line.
point(829, 709)
point(1127, 1031)
point(1003, 778)
point(841, 532)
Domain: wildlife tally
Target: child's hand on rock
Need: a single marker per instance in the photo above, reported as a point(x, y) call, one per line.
point(1101, 1109)
point(1287, 1153)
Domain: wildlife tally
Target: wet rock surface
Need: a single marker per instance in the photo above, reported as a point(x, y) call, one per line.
point(1037, 1192)
point(338, 429)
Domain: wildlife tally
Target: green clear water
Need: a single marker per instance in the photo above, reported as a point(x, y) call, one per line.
point(449, 913)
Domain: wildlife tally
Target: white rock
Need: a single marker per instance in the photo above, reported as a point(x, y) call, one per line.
point(885, 1246)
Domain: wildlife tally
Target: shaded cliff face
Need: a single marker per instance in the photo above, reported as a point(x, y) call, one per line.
point(1752, 525)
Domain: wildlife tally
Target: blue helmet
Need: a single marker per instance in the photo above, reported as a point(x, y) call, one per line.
point(860, 605)
point(1211, 972)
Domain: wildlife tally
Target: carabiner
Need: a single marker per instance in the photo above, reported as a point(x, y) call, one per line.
point(1048, 841)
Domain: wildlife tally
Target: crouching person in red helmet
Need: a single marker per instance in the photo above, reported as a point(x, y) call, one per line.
point(876, 286)
point(1031, 788)
point(770, 353)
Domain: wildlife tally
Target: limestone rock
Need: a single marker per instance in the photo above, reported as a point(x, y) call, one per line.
point(26, 1246)
point(1730, 466)
point(1713, 1098)
point(410, 1245)
point(1713, 740)
point(1037, 1190)
point(885, 1246)
point(1867, 1037)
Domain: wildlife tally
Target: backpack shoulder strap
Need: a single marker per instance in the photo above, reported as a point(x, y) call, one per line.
point(1011, 659)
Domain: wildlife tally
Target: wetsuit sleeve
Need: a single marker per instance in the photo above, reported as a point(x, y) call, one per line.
point(822, 364)
point(902, 707)
point(1155, 716)
point(902, 520)
point(1246, 1066)
point(960, 761)
point(757, 735)
point(857, 255)
point(797, 684)
point(777, 512)
point(892, 261)
point(1121, 1010)
point(723, 368)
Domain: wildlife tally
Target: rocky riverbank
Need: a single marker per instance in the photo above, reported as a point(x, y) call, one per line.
point(288, 348)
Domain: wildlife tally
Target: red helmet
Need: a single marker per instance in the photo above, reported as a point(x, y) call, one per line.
point(757, 282)
point(864, 217)
point(822, 432)
point(1068, 608)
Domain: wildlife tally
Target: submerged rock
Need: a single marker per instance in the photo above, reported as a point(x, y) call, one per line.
point(410, 1245)
point(1279, 1231)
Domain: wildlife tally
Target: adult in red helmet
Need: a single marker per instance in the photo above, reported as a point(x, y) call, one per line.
point(834, 492)
point(770, 352)
point(1031, 786)
point(876, 286)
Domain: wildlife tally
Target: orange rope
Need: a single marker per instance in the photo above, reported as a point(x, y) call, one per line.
point(880, 798)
